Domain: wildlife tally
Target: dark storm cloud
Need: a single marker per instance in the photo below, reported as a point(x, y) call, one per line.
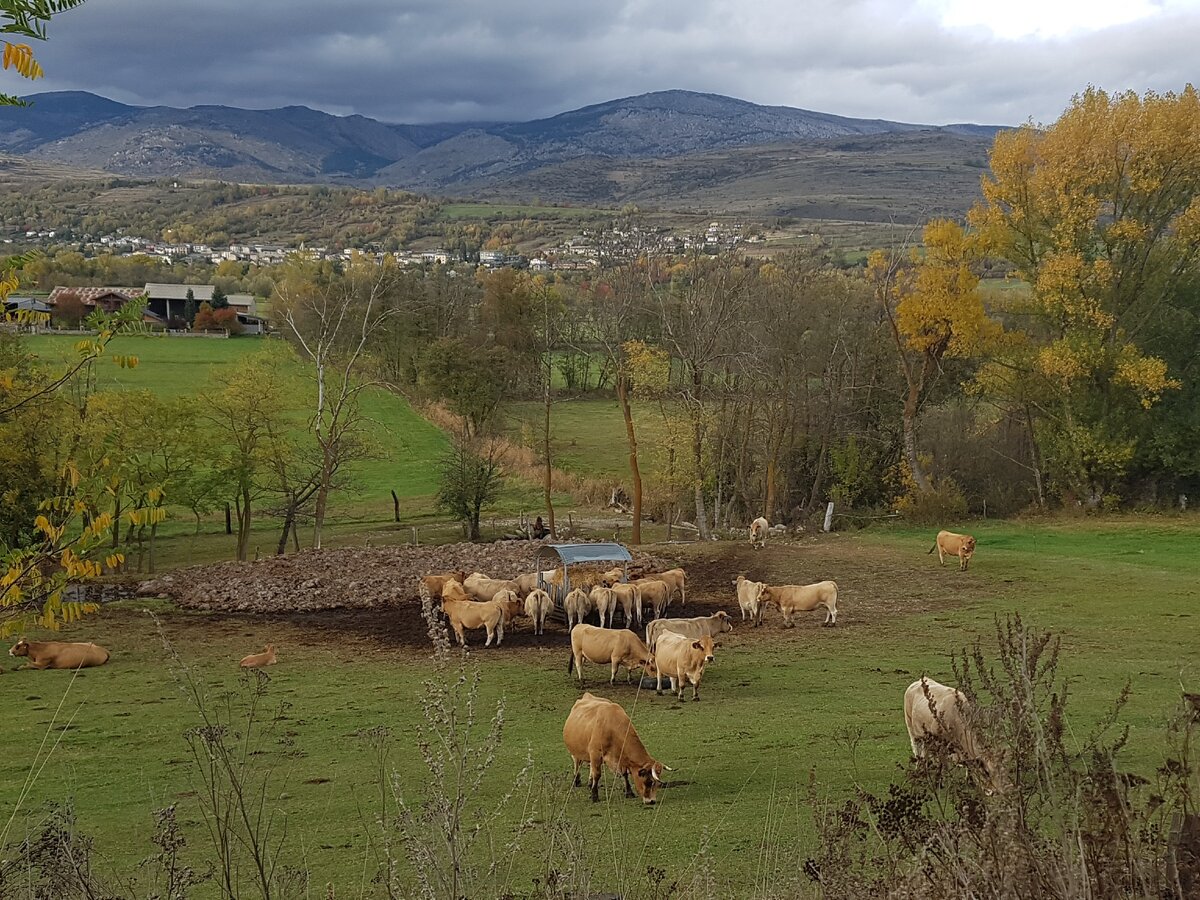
point(434, 61)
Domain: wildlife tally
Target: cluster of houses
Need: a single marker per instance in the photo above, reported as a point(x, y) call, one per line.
point(168, 306)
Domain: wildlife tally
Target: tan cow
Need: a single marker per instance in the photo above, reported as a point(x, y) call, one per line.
point(950, 544)
point(696, 627)
point(794, 598)
point(612, 576)
point(577, 605)
point(605, 601)
point(683, 659)
point(938, 711)
point(483, 588)
point(258, 660)
point(749, 596)
point(656, 593)
point(59, 654)
point(529, 582)
point(465, 614)
point(758, 532)
point(599, 733)
point(510, 605)
point(616, 646)
point(676, 580)
point(453, 590)
point(434, 584)
point(630, 598)
point(538, 606)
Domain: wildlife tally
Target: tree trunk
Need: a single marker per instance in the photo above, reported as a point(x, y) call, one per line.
point(395, 507)
point(920, 476)
point(116, 538)
point(228, 521)
point(1036, 460)
point(243, 517)
point(289, 521)
point(153, 535)
point(548, 475)
point(319, 511)
point(697, 461)
point(634, 471)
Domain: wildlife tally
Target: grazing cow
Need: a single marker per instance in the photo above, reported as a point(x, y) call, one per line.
point(950, 544)
point(605, 601)
point(676, 581)
point(599, 733)
point(758, 532)
point(483, 588)
point(749, 596)
point(794, 598)
point(630, 598)
point(683, 659)
point(656, 593)
point(612, 576)
point(434, 584)
point(938, 711)
point(465, 614)
point(697, 627)
point(258, 660)
point(59, 654)
point(577, 605)
point(615, 646)
point(538, 606)
point(510, 605)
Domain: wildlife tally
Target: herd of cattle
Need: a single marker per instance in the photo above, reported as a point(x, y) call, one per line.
point(598, 731)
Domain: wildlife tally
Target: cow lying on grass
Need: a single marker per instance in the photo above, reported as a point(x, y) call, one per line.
point(258, 660)
point(59, 654)
point(950, 544)
point(794, 598)
point(599, 733)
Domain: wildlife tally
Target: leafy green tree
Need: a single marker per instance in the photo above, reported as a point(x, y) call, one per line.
point(470, 477)
point(218, 299)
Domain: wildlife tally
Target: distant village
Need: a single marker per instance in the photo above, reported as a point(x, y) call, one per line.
point(581, 252)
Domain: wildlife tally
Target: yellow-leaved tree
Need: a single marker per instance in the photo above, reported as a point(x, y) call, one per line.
point(930, 301)
point(1100, 214)
point(25, 19)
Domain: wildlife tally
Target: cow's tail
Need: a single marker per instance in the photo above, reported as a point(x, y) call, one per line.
point(931, 549)
point(570, 663)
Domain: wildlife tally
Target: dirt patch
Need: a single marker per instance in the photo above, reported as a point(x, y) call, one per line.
point(346, 578)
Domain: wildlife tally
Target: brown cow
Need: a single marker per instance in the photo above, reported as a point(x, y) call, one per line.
point(453, 590)
point(615, 646)
point(605, 601)
point(510, 605)
point(258, 660)
point(758, 532)
point(529, 582)
point(434, 584)
point(676, 580)
point(59, 654)
point(950, 544)
point(598, 732)
point(465, 614)
point(630, 598)
point(577, 605)
point(683, 659)
point(794, 598)
point(695, 627)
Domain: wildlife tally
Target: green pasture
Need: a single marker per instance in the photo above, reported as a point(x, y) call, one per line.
point(777, 706)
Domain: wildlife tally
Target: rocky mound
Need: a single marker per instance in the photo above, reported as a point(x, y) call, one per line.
point(349, 578)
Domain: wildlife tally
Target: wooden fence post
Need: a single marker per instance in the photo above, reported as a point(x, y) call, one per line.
point(829, 517)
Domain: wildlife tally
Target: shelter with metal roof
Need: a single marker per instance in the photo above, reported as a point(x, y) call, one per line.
point(555, 556)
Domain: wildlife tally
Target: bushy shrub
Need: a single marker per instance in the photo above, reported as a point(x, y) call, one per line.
point(942, 505)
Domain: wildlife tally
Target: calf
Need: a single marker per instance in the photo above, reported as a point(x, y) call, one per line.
point(59, 654)
point(258, 660)
point(794, 598)
point(538, 606)
point(598, 732)
point(683, 659)
point(749, 596)
point(697, 627)
point(465, 614)
point(616, 646)
point(950, 544)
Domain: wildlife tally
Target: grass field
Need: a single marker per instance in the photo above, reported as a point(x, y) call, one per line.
point(1121, 593)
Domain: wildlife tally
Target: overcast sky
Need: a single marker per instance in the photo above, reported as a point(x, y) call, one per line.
point(927, 61)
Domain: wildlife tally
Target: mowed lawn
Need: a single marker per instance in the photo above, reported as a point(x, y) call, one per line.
point(777, 706)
